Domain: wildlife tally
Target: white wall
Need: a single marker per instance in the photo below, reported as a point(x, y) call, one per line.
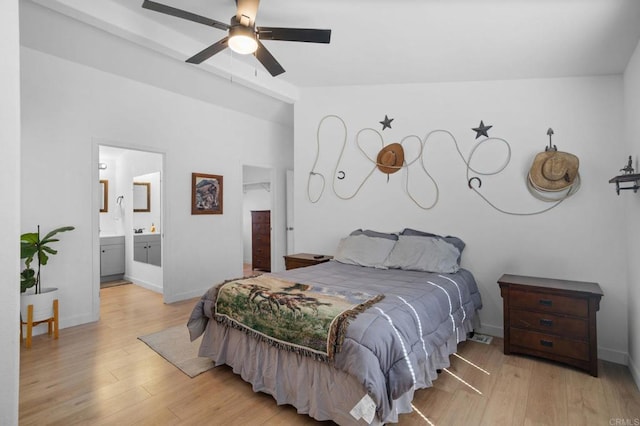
point(10, 211)
point(631, 206)
point(69, 107)
point(582, 239)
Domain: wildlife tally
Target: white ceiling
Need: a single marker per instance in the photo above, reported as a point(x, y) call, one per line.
point(393, 41)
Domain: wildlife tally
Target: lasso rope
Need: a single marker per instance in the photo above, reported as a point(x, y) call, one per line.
point(313, 173)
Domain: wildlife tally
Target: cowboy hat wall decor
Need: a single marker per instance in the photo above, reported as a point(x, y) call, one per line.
point(554, 170)
point(390, 158)
point(554, 174)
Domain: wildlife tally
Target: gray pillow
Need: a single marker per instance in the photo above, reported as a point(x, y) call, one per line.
point(420, 253)
point(457, 242)
point(363, 250)
point(370, 233)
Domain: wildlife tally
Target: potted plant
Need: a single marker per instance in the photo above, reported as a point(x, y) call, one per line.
point(32, 247)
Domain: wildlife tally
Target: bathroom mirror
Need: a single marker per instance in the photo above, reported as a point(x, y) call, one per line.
point(141, 197)
point(104, 199)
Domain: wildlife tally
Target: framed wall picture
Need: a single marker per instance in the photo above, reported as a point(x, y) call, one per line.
point(104, 199)
point(206, 194)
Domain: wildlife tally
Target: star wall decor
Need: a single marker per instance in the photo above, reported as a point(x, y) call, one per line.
point(386, 122)
point(481, 130)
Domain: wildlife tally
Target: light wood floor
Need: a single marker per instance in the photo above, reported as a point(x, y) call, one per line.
point(101, 374)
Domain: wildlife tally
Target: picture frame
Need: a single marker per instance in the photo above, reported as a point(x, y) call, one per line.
point(104, 198)
point(141, 197)
point(206, 193)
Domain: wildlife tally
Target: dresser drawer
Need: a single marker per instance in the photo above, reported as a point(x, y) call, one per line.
point(549, 302)
point(550, 343)
point(261, 229)
point(575, 328)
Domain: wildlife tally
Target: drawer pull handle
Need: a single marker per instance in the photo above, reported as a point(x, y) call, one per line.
point(547, 343)
point(545, 302)
point(546, 322)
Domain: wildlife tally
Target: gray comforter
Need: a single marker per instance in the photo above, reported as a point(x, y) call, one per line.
point(388, 347)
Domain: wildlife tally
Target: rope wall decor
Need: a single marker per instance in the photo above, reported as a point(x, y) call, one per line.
point(385, 162)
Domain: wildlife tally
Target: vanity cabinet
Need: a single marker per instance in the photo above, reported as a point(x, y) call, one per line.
point(147, 248)
point(111, 258)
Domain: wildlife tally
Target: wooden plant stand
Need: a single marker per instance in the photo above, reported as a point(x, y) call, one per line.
point(30, 323)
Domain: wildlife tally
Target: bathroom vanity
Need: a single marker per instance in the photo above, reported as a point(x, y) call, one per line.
point(147, 248)
point(111, 258)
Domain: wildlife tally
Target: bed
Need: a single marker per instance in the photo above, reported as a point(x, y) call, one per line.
point(393, 344)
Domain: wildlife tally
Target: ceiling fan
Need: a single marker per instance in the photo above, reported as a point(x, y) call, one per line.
point(244, 37)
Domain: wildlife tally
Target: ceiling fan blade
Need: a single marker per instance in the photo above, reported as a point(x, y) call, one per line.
point(209, 51)
point(266, 58)
point(248, 8)
point(294, 34)
point(168, 10)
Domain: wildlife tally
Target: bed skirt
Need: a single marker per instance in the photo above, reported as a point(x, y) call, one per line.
point(313, 387)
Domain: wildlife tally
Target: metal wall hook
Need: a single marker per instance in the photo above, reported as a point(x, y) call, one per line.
point(551, 147)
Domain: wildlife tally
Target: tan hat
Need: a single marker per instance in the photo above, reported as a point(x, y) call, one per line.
point(390, 158)
point(553, 170)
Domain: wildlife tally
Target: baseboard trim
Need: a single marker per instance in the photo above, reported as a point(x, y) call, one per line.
point(491, 330)
point(612, 355)
point(172, 298)
point(635, 372)
point(144, 284)
point(65, 322)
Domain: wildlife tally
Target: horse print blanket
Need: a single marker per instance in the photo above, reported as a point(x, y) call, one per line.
point(303, 318)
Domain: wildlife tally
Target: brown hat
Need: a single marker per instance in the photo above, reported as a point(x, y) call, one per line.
point(553, 170)
point(390, 158)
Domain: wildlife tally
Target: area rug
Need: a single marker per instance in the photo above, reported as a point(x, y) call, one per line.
point(173, 345)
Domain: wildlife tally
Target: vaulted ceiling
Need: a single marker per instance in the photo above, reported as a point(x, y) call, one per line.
point(392, 41)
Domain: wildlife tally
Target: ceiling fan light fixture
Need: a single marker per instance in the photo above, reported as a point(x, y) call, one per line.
point(242, 40)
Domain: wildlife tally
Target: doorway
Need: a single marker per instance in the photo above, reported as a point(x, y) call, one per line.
point(131, 214)
point(257, 196)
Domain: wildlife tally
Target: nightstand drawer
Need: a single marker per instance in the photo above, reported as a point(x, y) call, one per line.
point(549, 323)
point(549, 343)
point(302, 260)
point(549, 302)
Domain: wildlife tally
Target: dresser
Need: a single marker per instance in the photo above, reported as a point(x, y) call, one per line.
point(552, 319)
point(300, 260)
point(261, 240)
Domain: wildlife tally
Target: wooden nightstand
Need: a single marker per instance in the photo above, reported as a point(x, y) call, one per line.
point(553, 319)
point(300, 260)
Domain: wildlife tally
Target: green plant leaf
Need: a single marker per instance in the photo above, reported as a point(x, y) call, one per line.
point(57, 230)
point(27, 279)
point(49, 250)
point(43, 258)
point(32, 246)
point(30, 237)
